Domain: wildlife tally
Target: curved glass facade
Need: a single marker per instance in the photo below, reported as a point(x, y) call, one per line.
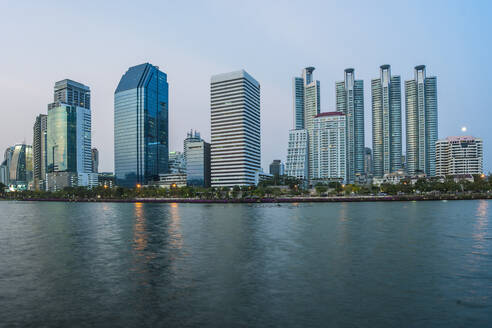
point(141, 125)
point(62, 139)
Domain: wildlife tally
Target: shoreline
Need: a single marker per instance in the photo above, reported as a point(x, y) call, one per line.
point(267, 200)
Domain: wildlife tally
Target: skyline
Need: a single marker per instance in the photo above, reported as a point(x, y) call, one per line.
point(454, 53)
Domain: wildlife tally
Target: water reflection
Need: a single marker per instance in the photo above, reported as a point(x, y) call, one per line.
point(481, 225)
point(174, 228)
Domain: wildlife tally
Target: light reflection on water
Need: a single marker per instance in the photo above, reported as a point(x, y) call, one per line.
point(339, 264)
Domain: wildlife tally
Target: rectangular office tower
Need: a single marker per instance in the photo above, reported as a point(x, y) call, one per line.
point(197, 162)
point(329, 138)
point(421, 123)
point(39, 145)
point(69, 129)
point(386, 122)
point(459, 155)
point(235, 120)
point(350, 101)
point(141, 128)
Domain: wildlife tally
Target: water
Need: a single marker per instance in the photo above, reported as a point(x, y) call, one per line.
point(398, 264)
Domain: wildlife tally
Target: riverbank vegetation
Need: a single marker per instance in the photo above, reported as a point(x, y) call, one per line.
point(269, 189)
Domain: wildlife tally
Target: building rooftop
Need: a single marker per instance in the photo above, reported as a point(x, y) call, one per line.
point(234, 75)
point(330, 114)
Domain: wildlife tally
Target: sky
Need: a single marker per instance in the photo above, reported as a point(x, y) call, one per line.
point(95, 42)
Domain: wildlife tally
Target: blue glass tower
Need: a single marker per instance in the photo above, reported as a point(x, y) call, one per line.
point(141, 125)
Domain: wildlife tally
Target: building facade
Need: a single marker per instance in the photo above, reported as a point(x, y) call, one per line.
point(177, 162)
point(95, 160)
point(276, 168)
point(68, 133)
point(297, 154)
point(39, 151)
point(350, 101)
point(20, 169)
point(459, 155)
point(235, 129)
point(141, 107)
point(368, 162)
point(312, 99)
point(421, 123)
point(386, 122)
point(197, 163)
point(330, 148)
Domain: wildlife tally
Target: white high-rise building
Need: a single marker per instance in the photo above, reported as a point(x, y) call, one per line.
point(329, 147)
point(297, 154)
point(235, 129)
point(459, 155)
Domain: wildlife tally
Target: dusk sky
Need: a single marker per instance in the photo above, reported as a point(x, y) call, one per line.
point(95, 42)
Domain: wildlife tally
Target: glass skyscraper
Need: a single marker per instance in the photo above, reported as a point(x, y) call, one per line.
point(386, 122)
point(197, 161)
point(298, 102)
point(20, 167)
point(350, 101)
point(141, 127)
point(421, 123)
point(68, 136)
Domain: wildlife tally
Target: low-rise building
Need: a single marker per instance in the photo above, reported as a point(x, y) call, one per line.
point(170, 180)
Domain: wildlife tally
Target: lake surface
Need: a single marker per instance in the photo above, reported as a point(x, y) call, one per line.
point(381, 264)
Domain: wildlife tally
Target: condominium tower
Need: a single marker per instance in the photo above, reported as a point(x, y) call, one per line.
point(297, 154)
point(386, 122)
point(350, 101)
point(141, 108)
point(421, 123)
point(459, 155)
point(39, 147)
point(329, 145)
point(235, 129)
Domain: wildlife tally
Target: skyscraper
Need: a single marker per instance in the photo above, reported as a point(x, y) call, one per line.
point(298, 102)
point(141, 128)
point(329, 147)
point(386, 122)
point(350, 101)
point(95, 160)
point(235, 127)
point(311, 109)
point(69, 129)
point(421, 123)
point(276, 168)
point(39, 151)
point(197, 162)
point(190, 137)
point(20, 168)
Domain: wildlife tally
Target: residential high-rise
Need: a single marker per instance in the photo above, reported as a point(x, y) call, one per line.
point(197, 162)
point(276, 168)
point(421, 123)
point(297, 154)
point(386, 122)
point(459, 155)
point(39, 151)
point(235, 127)
point(350, 101)
point(368, 162)
point(141, 128)
point(311, 109)
point(298, 102)
point(329, 147)
point(95, 160)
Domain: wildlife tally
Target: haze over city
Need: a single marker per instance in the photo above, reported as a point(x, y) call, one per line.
point(95, 43)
